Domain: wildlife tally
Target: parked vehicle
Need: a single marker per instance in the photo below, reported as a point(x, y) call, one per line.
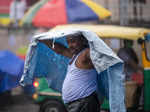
point(50, 100)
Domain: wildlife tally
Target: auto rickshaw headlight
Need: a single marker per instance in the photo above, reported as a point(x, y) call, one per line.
point(35, 84)
point(35, 96)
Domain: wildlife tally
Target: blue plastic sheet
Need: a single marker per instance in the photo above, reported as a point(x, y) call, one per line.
point(11, 69)
point(50, 65)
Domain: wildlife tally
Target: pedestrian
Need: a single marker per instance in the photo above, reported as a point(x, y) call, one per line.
point(80, 84)
point(94, 71)
point(129, 56)
point(132, 70)
point(16, 11)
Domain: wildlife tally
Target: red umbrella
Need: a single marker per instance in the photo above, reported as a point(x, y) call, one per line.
point(57, 12)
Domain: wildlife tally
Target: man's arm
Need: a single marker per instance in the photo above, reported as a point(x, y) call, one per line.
point(58, 48)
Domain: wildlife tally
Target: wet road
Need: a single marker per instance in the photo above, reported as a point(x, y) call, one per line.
point(18, 103)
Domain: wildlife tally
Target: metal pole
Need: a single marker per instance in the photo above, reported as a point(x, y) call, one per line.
point(106, 4)
point(15, 18)
point(123, 12)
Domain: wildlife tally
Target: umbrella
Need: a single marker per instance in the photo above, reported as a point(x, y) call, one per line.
point(27, 19)
point(11, 69)
point(56, 12)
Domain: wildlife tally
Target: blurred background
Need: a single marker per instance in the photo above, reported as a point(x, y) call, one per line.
point(123, 12)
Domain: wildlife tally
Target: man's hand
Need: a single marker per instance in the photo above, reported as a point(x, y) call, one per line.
point(57, 47)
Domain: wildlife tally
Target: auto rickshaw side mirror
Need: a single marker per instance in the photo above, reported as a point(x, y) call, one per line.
point(140, 41)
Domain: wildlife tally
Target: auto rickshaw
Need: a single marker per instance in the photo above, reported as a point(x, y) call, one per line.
point(50, 100)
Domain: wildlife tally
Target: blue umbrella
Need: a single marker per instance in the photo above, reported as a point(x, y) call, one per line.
point(11, 69)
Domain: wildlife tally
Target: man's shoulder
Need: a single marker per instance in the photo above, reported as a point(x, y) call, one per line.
point(84, 55)
point(85, 60)
point(84, 52)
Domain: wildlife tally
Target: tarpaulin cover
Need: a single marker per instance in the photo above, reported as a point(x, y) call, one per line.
point(11, 69)
point(41, 61)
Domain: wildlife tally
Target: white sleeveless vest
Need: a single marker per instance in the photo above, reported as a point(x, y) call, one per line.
point(79, 83)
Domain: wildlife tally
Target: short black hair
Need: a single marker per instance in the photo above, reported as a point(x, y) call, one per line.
point(81, 38)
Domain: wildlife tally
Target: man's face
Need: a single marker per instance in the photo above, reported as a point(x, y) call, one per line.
point(75, 44)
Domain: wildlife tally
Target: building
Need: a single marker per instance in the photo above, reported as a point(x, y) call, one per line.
point(128, 12)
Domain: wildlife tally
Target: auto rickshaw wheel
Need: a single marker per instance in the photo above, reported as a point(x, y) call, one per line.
point(52, 106)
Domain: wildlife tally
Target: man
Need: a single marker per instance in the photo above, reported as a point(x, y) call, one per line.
point(17, 10)
point(132, 70)
point(128, 55)
point(80, 84)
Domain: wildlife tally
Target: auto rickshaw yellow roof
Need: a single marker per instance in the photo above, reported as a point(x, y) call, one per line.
point(109, 31)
